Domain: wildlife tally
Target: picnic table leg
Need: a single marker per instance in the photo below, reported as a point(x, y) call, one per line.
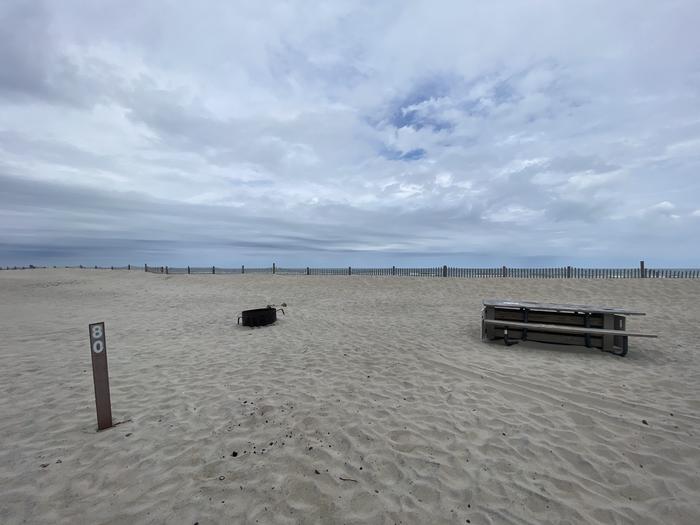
point(608, 324)
point(506, 339)
point(619, 325)
point(624, 346)
point(490, 313)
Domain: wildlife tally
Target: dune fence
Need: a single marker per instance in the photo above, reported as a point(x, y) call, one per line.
point(564, 272)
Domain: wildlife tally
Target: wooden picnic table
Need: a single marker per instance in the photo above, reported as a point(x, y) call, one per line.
point(593, 326)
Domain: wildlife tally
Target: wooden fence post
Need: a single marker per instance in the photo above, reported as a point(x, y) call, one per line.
point(128, 267)
point(145, 267)
point(188, 270)
point(642, 270)
point(166, 270)
point(274, 268)
point(568, 272)
point(349, 270)
point(504, 271)
point(393, 270)
point(242, 268)
point(444, 270)
point(307, 270)
point(213, 269)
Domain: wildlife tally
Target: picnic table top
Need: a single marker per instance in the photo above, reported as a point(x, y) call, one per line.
point(555, 307)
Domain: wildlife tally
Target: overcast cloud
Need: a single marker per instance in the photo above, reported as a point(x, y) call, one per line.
point(362, 133)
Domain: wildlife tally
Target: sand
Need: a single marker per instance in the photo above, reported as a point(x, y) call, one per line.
point(373, 400)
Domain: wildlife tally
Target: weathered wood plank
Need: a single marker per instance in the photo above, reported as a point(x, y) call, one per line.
point(556, 307)
point(565, 329)
point(549, 317)
point(545, 337)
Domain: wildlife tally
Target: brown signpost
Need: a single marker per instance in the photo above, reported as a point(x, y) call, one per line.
point(100, 376)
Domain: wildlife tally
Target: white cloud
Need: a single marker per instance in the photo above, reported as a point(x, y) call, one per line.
point(661, 209)
point(513, 213)
point(587, 181)
point(444, 180)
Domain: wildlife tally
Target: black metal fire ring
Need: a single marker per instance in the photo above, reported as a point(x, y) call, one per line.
point(259, 316)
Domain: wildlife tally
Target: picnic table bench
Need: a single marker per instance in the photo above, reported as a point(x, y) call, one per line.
point(577, 324)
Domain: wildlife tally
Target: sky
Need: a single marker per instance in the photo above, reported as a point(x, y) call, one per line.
point(407, 133)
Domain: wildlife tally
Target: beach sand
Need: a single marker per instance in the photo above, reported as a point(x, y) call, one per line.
point(373, 400)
